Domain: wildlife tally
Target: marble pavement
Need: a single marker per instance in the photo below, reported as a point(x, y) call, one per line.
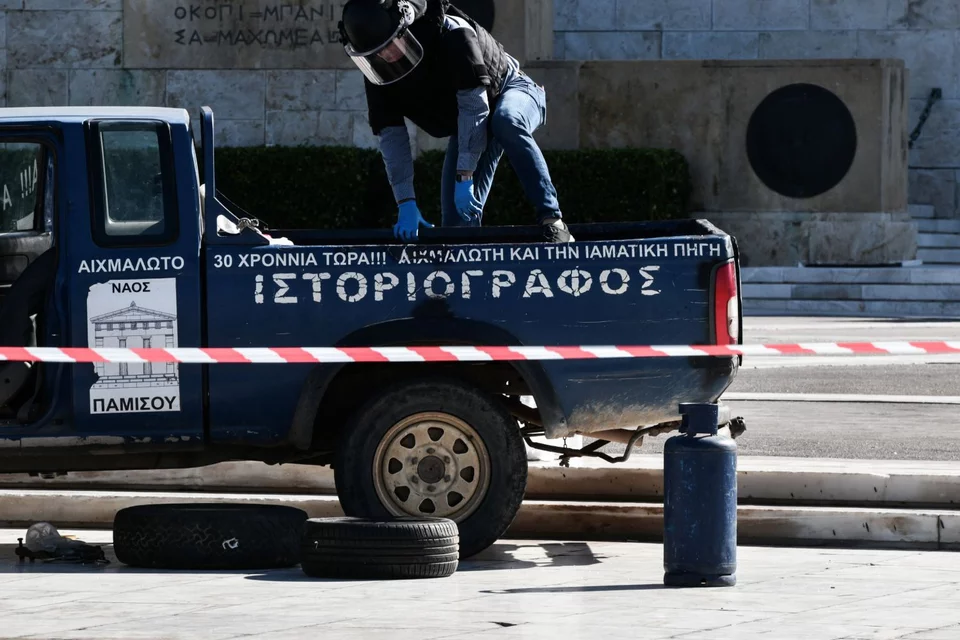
point(516, 589)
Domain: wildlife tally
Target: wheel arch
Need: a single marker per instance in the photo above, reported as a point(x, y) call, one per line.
point(319, 395)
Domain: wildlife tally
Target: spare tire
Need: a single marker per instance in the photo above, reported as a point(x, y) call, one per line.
point(380, 549)
point(208, 536)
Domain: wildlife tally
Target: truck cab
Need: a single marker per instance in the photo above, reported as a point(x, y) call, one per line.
point(101, 247)
point(110, 239)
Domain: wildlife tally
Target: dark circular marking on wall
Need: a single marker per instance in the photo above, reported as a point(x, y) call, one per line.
point(801, 140)
point(483, 11)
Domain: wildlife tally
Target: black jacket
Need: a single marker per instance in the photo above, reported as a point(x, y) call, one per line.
point(452, 60)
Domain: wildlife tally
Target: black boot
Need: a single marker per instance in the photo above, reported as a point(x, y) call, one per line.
point(555, 230)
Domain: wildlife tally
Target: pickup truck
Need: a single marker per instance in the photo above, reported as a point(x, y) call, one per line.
point(110, 240)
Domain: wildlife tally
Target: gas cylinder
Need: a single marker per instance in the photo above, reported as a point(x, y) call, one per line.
point(700, 502)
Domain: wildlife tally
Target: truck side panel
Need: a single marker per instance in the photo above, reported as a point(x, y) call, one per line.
point(619, 292)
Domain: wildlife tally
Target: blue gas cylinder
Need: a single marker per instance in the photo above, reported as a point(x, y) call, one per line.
point(699, 502)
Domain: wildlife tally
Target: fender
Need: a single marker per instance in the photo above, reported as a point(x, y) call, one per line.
point(421, 332)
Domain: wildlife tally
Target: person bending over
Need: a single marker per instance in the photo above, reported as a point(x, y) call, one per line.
point(426, 61)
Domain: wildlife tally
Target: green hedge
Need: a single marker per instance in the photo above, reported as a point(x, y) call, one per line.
point(346, 187)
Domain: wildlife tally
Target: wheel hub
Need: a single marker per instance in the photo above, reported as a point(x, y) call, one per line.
point(431, 464)
point(431, 469)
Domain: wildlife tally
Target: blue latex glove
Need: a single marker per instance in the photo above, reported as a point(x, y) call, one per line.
point(409, 220)
point(466, 202)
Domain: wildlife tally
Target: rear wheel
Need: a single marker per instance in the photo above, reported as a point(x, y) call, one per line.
point(434, 448)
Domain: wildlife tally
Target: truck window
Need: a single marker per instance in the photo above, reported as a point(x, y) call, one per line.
point(134, 193)
point(20, 186)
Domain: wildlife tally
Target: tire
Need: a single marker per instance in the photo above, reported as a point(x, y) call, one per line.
point(369, 549)
point(208, 536)
point(475, 432)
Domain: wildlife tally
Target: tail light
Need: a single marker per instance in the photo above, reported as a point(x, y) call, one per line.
point(726, 305)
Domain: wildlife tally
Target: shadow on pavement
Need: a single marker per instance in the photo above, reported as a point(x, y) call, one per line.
point(592, 589)
point(10, 563)
point(524, 556)
point(500, 556)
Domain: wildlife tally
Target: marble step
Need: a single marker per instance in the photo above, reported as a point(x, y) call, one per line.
point(855, 292)
point(584, 519)
point(853, 308)
point(923, 275)
point(938, 226)
point(922, 211)
point(938, 240)
point(939, 256)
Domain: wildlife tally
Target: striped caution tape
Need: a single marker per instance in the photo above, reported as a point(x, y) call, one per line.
point(279, 355)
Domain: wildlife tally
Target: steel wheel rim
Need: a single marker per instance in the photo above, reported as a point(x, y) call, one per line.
point(431, 464)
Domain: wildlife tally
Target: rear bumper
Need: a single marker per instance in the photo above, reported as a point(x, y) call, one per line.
point(631, 394)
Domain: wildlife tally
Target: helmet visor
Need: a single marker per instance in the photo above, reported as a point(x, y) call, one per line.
point(390, 61)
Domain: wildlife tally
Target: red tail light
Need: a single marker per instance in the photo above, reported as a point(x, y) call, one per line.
point(726, 305)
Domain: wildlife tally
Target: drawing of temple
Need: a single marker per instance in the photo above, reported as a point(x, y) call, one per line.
point(135, 327)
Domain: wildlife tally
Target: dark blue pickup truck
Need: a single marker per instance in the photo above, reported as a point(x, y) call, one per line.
point(109, 240)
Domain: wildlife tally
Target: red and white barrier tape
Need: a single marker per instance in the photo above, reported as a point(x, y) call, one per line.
point(278, 355)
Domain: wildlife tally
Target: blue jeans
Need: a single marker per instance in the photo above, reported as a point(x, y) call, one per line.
point(520, 110)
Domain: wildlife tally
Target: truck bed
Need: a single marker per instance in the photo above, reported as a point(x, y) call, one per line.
point(631, 283)
point(590, 232)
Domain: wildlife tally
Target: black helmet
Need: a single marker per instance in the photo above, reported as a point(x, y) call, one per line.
point(367, 24)
point(376, 36)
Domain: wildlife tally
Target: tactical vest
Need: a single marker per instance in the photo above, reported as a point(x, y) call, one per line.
point(493, 53)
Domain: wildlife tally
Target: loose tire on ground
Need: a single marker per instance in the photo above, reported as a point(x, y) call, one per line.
point(434, 447)
point(208, 536)
point(380, 549)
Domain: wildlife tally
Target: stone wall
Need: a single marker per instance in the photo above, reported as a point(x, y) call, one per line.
point(188, 52)
point(112, 52)
point(924, 33)
point(703, 109)
point(271, 69)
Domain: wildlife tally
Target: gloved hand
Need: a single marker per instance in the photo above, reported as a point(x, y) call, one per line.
point(468, 206)
point(409, 220)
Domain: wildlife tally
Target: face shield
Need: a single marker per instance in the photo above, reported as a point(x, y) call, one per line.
point(395, 58)
point(391, 61)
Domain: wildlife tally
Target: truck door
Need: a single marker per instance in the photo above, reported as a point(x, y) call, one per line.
point(134, 266)
point(27, 263)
